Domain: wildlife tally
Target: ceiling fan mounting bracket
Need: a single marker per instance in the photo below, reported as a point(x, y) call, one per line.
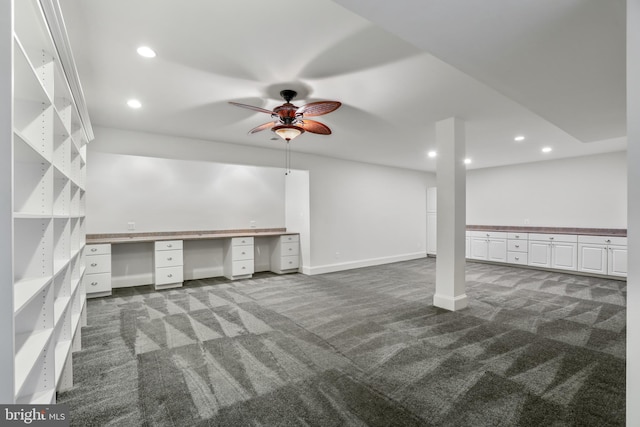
point(288, 94)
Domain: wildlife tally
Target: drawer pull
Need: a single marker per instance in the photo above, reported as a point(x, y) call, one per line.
point(94, 283)
point(550, 238)
point(517, 258)
point(244, 268)
point(608, 240)
point(169, 245)
point(93, 249)
point(290, 249)
point(517, 246)
point(517, 236)
point(169, 259)
point(169, 275)
point(243, 253)
point(93, 264)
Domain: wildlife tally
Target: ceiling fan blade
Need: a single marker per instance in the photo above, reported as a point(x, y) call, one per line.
point(262, 127)
point(315, 127)
point(318, 108)
point(252, 107)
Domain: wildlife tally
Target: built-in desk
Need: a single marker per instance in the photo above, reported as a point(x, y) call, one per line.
point(166, 259)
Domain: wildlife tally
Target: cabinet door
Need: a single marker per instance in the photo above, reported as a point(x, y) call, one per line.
point(432, 230)
point(478, 249)
point(497, 250)
point(617, 261)
point(539, 253)
point(467, 247)
point(592, 258)
point(564, 255)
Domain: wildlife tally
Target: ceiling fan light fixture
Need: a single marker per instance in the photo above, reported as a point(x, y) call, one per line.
point(288, 132)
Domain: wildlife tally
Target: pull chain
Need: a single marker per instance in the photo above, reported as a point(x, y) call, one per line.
point(287, 165)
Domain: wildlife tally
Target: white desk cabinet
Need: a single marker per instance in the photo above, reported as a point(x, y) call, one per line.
point(602, 255)
point(238, 258)
point(97, 276)
point(285, 255)
point(168, 264)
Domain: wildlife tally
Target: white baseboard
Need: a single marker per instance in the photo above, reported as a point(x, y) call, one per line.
point(450, 303)
point(349, 265)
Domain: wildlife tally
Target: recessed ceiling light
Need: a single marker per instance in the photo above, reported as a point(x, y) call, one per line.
point(546, 150)
point(146, 51)
point(432, 154)
point(467, 161)
point(134, 103)
point(519, 138)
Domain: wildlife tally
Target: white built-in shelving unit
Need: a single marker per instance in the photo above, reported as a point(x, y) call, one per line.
point(46, 145)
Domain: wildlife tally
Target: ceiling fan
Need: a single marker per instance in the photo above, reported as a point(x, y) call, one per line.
point(290, 120)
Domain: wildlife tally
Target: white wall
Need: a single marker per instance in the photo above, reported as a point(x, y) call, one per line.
point(364, 214)
point(360, 214)
point(589, 191)
point(176, 195)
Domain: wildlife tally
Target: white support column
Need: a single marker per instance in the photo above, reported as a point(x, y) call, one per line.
point(633, 212)
point(452, 212)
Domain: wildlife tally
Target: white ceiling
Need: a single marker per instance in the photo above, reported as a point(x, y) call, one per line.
point(553, 71)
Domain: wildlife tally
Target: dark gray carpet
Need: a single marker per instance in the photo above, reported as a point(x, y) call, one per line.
point(357, 348)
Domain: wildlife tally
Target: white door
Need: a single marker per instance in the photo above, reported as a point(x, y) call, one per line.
point(539, 253)
point(478, 249)
point(592, 258)
point(497, 250)
point(564, 255)
point(432, 233)
point(618, 261)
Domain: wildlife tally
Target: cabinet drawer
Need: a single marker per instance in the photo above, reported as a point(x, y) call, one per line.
point(289, 238)
point(603, 240)
point(242, 267)
point(97, 282)
point(167, 245)
point(489, 234)
point(98, 264)
point(518, 236)
point(166, 275)
point(289, 249)
point(241, 241)
point(98, 249)
point(168, 258)
point(516, 246)
point(289, 262)
point(571, 238)
point(517, 258)
point(242, 252)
